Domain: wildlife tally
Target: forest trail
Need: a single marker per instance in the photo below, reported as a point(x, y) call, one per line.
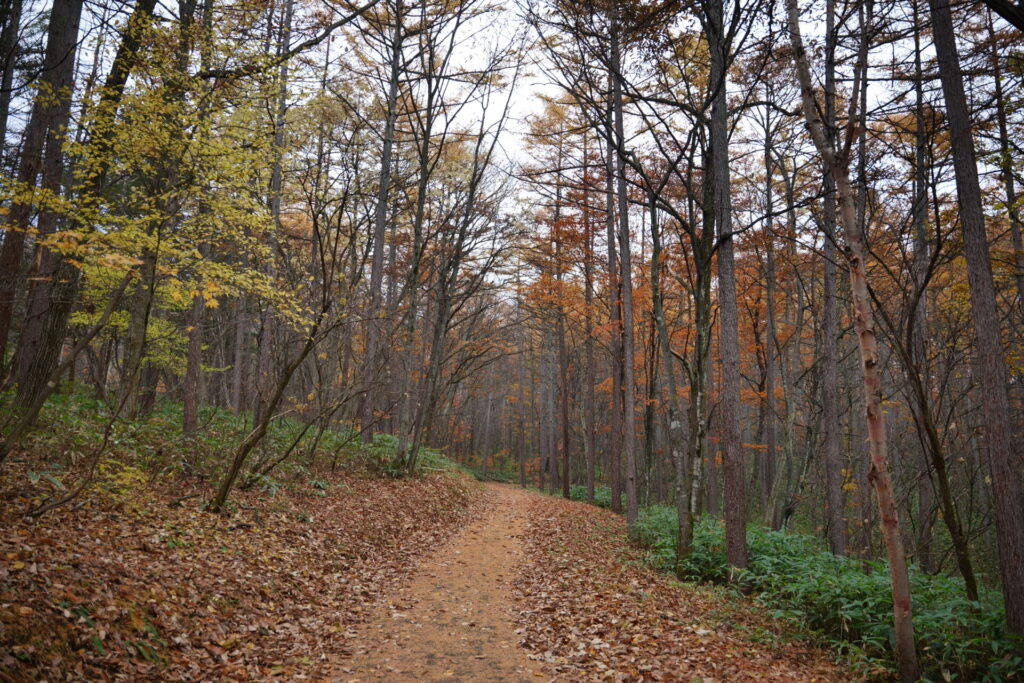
point(453, 621)
point(539, 588)
point(421, 579)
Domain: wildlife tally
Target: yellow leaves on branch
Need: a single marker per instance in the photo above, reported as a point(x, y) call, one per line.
point(119, 261)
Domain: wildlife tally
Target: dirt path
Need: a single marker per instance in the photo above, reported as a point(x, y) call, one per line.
point(453, 621)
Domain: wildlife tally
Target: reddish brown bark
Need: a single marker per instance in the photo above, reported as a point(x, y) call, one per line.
point(854, 251)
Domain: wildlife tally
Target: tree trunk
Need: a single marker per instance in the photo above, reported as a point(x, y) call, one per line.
point(11, 21)
point(615, 436)
point(563, 380)
point(1006, 170)
point(829, 388)
point(18, 423)
point(728, 324)
point(699, 372)
point(926, 556)
point(864, 325)
point(380, 218)
point(990, 361)
point(138, 328)
point(262, 422)
point(590, 409)
point(768, 464)
point(191, 396)
point(60, 294)
point(265, 339)
point(238, 357)
point(677, 439)
point(626, 279)
point(42, 151)
point(521, 402)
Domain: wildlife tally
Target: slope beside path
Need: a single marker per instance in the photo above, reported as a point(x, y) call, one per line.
point(139, 586)
point(591, 609)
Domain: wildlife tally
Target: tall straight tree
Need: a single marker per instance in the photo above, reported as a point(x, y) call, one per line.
point(42, 152)
point(393, 35)
point(1004, 462)
point(192, 383)
point(616, 436)
point(590, 392)
point(40, 354)
point(719, 45)
point(767, 469)
point(279, 106)
point(10, 21)
point(836, 159)
point(836, 524)
point(1006, 162)
point(625, 279)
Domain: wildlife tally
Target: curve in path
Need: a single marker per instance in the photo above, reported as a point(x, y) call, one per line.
point(452, 622)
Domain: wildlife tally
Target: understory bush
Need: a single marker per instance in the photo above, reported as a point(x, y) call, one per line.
point(503, 476)
point(433, 459)
point(847, 602)
point(602, 495)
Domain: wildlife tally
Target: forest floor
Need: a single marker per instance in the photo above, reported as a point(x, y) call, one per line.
point(454, 619)
point(431, 578)
point(591, 608)
point(557, 577)
point(135, 582)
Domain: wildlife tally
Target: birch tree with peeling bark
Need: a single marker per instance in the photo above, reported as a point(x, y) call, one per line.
point(836, 159)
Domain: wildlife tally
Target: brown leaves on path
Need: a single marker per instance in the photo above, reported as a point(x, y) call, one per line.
point(591, 610)
point(141, 590)
point(454, 620)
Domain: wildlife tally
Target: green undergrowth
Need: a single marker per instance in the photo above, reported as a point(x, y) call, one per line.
point(496, 475)
point(847, 603)
point(384, 449)
point(602, 495)
point(74, 423)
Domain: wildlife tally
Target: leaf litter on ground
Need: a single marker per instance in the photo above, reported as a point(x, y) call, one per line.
point(146, 587)
point(592, 610)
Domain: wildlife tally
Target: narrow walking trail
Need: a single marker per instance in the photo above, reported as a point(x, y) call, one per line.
point(540, 588)
point(453, 621)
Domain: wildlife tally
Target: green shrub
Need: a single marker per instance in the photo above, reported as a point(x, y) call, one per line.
point(656, 530)
point(493, 474)
point(796, 578)
point(578, 493)
point(433, 459)
point(382, 457)
point(379, 455)
point(602, 495)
